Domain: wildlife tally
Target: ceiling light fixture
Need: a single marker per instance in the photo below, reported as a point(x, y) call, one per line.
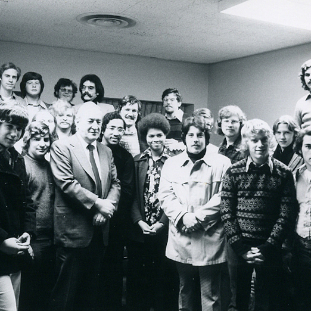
point(292, 13)
point(107, 21)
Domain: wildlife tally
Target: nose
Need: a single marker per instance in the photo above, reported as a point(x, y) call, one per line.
point(95, 125)
point(13, 132)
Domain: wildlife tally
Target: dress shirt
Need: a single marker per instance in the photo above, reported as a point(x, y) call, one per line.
point(87, 152)
point(249, 166)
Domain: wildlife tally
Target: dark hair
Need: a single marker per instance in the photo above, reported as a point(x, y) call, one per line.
point(65, 82)
point(197, 122)
point(299, 140)
point(172, 91)
point(10, 65)
point(111, 116)
point(132, 100)
point(153, 121)
point(33, 129)
point(31, 76)
point(15, 114)
point(98, 85)
point(304, 67)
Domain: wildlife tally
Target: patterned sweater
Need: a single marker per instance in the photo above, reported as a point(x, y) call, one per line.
point(258, 206)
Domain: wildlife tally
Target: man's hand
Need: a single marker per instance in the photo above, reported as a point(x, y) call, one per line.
point(13, 246)
point(146, 229)
point(254, 256)
point(24, 239)
point(190, 223)
point(157, 227)
point(99, 219)
point(105, 207)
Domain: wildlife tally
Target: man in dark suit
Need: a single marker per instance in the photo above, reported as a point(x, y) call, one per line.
point(87, 193)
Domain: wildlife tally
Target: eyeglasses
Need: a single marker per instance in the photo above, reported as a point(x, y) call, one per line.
point(227, 121)
point(119, 129)
point(64, 90)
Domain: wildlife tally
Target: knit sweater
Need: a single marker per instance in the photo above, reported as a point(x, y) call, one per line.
point(41, 187)
point(258, 206)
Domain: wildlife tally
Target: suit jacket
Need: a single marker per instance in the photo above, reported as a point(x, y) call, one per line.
point(75, 192)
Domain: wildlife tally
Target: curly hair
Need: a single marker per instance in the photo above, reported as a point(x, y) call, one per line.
point(31, 76)
point(304, 67)
point(255, 127)
point(227, 112)
point(35, 128)
point(153, 121)
point(172, 91)
point(197, 122)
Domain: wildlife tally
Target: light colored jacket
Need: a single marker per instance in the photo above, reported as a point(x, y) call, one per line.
point(195, 188)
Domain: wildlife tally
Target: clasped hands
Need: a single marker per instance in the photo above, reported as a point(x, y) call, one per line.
point(254, 256)
point(17, 246)
point(105, 209)
point(152, 230)
point(190, 223)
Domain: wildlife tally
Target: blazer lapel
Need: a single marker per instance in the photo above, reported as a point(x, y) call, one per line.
point(81, 156)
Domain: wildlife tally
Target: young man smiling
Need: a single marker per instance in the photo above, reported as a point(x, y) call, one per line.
point(258, 208)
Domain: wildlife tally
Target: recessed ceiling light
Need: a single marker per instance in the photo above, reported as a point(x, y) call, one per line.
point(107, 21)
point(293, 13)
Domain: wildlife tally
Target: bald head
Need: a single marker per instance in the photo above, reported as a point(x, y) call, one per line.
point(89, 121)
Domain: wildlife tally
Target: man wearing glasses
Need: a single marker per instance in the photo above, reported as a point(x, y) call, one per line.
point(112, 273)
point(65, 89)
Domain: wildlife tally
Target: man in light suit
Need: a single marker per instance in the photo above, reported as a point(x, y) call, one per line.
point(87, 193)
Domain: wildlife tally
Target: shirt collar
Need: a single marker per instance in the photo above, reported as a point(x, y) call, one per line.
point(208, 159)
point(40, 103)
point(235, 145)
point(308, 96)
point(164, 156)
point(12, 97)
point(84, 143)
point(269, 162)
point(178, 115)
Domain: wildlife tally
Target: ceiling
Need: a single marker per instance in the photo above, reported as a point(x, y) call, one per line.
point(181, 30)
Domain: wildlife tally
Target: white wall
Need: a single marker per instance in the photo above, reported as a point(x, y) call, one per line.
point(121, 75)
point(265, 86)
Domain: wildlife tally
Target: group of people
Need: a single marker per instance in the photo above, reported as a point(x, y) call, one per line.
point(202, 227)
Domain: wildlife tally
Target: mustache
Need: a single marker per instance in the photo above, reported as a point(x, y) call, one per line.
point(86, 93)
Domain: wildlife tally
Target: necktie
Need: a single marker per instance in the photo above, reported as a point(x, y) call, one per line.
point(95, 170)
